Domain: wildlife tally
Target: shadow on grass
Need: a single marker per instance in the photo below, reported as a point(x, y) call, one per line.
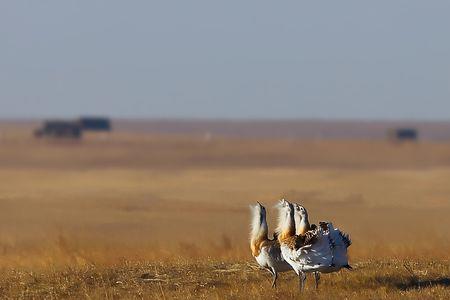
point(405, 284)
point(419, 284)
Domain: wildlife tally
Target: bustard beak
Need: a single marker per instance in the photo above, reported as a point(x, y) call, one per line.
point(284, 201)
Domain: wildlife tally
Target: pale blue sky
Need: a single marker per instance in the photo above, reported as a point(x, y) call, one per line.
point(225, 59)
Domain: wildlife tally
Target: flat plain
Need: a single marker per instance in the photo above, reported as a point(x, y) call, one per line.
point(141, 215)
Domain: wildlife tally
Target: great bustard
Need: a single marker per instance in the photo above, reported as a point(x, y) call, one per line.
point(302, 225)
point(266, 252)
point(321, 249)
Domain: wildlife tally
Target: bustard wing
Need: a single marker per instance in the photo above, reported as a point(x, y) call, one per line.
point(340, 241)
point(311, 251)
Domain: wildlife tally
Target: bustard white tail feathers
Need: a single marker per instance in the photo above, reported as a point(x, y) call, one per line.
point(258, 225)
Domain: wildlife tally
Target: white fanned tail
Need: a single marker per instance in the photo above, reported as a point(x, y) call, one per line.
point(327, 253)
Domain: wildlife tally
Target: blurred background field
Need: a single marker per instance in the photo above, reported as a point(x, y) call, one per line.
point(146, 196)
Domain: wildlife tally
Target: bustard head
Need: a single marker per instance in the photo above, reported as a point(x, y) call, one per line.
point(300, 210)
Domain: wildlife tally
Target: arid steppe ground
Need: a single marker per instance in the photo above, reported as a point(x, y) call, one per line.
point(140, 215)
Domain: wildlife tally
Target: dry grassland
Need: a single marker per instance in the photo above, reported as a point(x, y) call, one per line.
point(143, 216)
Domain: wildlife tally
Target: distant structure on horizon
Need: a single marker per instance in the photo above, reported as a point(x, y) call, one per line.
point(72, 128)
point(403, 134)
point(59, 129)
point(95, 123)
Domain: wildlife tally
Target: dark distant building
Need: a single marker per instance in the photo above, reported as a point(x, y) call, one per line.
point(72, 128)
point(59, 129)
point(95, 124)
point(403, 134)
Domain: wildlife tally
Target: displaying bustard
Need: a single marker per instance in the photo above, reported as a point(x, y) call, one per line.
point(266, 252)
point(321, 249)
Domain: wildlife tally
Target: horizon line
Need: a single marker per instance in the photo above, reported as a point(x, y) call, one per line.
point(225, 119)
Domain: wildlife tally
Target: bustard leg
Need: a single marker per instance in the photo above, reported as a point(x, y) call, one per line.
point(275, 276)
point(272, 272)
point(317, 278)
point(302, 279)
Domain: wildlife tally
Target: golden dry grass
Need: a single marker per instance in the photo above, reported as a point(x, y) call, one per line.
point(206, 279)
point(87, 219)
